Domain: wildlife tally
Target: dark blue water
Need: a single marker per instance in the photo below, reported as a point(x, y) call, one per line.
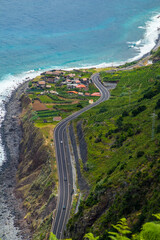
point(57, 33)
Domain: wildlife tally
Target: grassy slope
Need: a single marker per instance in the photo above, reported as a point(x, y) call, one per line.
point(122, 156)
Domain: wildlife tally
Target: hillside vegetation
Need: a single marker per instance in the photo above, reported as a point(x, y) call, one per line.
point(123, 160)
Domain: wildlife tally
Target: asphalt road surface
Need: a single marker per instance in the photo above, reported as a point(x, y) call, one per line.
point(64, 163)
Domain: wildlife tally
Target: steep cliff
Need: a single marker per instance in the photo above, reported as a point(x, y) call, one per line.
point(36, 176)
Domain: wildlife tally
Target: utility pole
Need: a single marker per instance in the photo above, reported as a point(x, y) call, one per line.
point(153, 124)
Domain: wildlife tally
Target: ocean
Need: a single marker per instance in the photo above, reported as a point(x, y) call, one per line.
point(40, 35)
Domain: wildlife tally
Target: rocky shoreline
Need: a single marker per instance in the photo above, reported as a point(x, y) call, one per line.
point(11, 212)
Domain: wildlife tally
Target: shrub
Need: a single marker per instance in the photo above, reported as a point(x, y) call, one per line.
point(109, 133)
point(138, 110)
point(98, 139)
point(102, 109)
point(122, 166)
point(158, 129)
point(140, 154)
point(91, 200)
point(111, 170)
point(150, 94)
point(119, 121)
point(30, 84)
point(127, 126)
point(125, 114)
point(79, 105)
point(157, 104)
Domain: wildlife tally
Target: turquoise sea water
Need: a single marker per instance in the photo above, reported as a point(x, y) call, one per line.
point(57, 33)
point(39, 35)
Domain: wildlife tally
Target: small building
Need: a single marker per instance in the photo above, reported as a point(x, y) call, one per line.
point(57, 79)
point(42, 84)
point(57, 72)
point(50, 80)
point(82, 86)
point(63, 83)
point(71, 85)
point(71, 75)
point(54, 92)
point(77, 81)
point(87, 94)
point(96, 94)
point(72, 92)
point(48, 86)
point(85, 81)
point(68, 80)
point(91, 101)
point(80, 93)
point(57, 119)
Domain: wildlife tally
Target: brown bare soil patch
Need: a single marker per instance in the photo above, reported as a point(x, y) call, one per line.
point(38, 106)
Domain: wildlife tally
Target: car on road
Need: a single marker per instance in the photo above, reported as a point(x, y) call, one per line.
point(61, 141)
point(64, 207)
point(65, 179)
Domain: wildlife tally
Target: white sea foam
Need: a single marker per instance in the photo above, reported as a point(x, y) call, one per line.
point(148, 41)
point(142, 46)
point(141, 27)
point(7, 85)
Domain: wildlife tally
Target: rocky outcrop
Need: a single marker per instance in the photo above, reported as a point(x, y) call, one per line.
point(85, 218)
point(81, 181)
point(82, 144)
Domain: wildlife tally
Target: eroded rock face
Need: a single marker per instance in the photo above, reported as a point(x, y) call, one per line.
point(82, 144)
point(35, 178)
point(84, 219)
point(11, 214)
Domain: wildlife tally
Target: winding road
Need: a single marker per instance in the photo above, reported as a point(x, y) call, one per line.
point(64, 163)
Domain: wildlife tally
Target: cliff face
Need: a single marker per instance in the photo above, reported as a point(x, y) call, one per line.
point(35, 177)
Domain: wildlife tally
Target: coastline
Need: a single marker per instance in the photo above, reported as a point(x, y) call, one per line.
point(10, 131)
point(11, 136)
